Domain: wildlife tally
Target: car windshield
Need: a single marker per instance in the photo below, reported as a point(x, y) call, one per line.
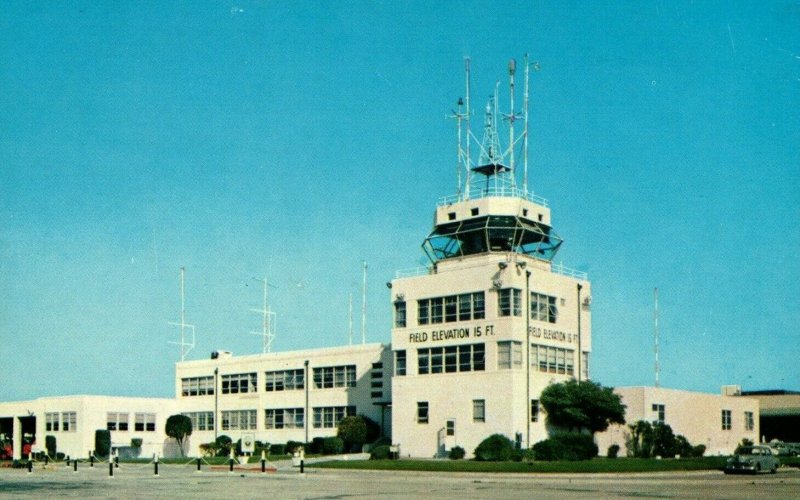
point(749, 451)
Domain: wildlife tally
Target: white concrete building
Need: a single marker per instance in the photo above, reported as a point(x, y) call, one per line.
point(277, 397)
point(719, 422)
point(73, 420)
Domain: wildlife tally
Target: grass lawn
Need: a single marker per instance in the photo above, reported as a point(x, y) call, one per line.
point(595, 465)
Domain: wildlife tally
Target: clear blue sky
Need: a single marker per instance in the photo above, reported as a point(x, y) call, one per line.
point(295, 139)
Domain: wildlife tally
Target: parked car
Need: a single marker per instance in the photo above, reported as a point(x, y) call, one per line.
point(753, 459)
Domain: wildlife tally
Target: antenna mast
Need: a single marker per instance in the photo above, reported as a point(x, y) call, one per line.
point(268, 321)
point(364, 306)
point(469, 131)
point(186, 347)
point(655, 333)
point(350, 335)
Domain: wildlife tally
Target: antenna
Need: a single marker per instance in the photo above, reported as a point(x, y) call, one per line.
point(350, 335)
point(525, 133)
point(268, 320)
point(459, 116)
point(186, 347)
point(467, 157)
point(364, 305)
point(655, 332)
point(512, 68)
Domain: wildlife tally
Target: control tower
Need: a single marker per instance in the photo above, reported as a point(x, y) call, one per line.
point(491, 321)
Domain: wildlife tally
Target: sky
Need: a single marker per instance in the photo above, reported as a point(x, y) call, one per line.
point(294, 140)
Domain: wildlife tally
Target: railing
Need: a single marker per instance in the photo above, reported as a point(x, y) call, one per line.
point(555, 268)
point(493, 191)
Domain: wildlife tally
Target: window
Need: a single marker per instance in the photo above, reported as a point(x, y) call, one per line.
point(201, 420)
point(479, 410)
point(376, 377)
point(69, 421)
point(451, 428)
point(328, 417)
point(509, 354)
point(335, 376)
point(552, 359)
point(534, 410)
point(726, 420)
point(400, 362)
point(659, 410)
point(509, 302)
point(451, 359)
point(238, 420)
point(239, 383)
point(749, 422)
point(464, 307)
point(285, 418)
point(145, 422)
point(51, 421)
point(400, 314)
point(284, 380)
point(543, 308)
point(116, 421)
point(197, 386)
point(584, 365)
point(422, 412)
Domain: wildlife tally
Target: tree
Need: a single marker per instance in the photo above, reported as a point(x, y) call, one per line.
point(582, 406)
point(495, 448)
point(179, 427)
point(353, 431)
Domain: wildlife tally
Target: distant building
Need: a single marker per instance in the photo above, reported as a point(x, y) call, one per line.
point(780, 414)
point(719, 422)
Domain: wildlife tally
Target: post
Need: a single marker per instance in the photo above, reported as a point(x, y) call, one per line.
point(580, 349)
point(198, 465)
point(307, 383)
point(528, 357)
point(75, 465)
point(302, 464)
point(116, 459)
point(91, 459)
point(46, 459)
point(110, 468)
point(230, 460)
point(263, 462)
point(155, 463)
point(30, 464)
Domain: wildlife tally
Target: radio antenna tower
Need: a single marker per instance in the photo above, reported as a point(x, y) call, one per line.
point(364, 305)
point(350, 334)
point(268, 317)
point(186, 347)
point(655, 333)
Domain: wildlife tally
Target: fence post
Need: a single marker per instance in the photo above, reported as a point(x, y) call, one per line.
point(75, 465)
point(155, 458)
point(198, 465)
point(263, 462)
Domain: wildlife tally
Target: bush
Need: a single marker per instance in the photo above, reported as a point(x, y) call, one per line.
point(613, 451)
point(316, 445)
point(332, 446)
point(50, 445)
point(495, 448)
point(566, 446)
point(136, 442)
point(277, 449)
point(699, 450)
point(102, 442)
point(292, 446)
point(60, 456)
point(456, 453)
point(223, 445)
point(353, 431)
point(373, 429)
point(380, 452)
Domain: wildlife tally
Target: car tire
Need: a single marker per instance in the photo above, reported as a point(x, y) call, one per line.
point(757, 469)
point(774, 469)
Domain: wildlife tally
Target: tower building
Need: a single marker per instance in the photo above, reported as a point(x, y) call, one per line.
point(491, 321)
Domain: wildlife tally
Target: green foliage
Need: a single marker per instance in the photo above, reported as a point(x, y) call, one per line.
point(223, 445)
point(353, 432)
point(586, 405)
point(178, 427)
point(745, 442)
point(50, 445)
point(277, 449)
point(332, 446)
point(496, 447)
point(664, 444)
point(698, 450)
point(380, 452)
point(373, 429)
point(316, 445)
point(613, 451)
point(102, 442)
point(566, 446)
point(657, 440)
point(456, 453)
point(292, 446)
point(640, 442)
point(136, 442)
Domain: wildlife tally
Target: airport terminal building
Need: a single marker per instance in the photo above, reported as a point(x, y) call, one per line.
point(476, 336)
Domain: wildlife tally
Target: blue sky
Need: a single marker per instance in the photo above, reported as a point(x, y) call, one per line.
point(296, 139)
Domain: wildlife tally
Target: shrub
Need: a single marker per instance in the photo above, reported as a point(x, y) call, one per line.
point(223, 445)
point(566, 446)
point(102, 442)
point(136, 442)
point(380, 452)
point(353, 432)
point(382, 440)
point(316, 445)
point(50, 445)
point(332, 446)
point(613, 451)
point(277, 449)
point(456, 453)
point(699, 450)
point(495, 448)
point(373, 429)
point(292, 446)
point(60, 456)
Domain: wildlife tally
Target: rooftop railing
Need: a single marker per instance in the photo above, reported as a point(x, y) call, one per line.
point(555, 268)
point(492, 191)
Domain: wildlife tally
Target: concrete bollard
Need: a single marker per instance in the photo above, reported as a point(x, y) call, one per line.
point(155, 463)
point(110, 468)
point(230, 461)
point(30, 465)
point(91, 459)
point(75, 465)
point(46, 460)
point(198, 465)
point(302, 463)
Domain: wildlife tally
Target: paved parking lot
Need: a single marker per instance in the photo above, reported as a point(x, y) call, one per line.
point(138, 481)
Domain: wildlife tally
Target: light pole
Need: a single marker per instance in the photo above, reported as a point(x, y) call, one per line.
point(580, 350)
point(216, 404)
point(528, 356)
